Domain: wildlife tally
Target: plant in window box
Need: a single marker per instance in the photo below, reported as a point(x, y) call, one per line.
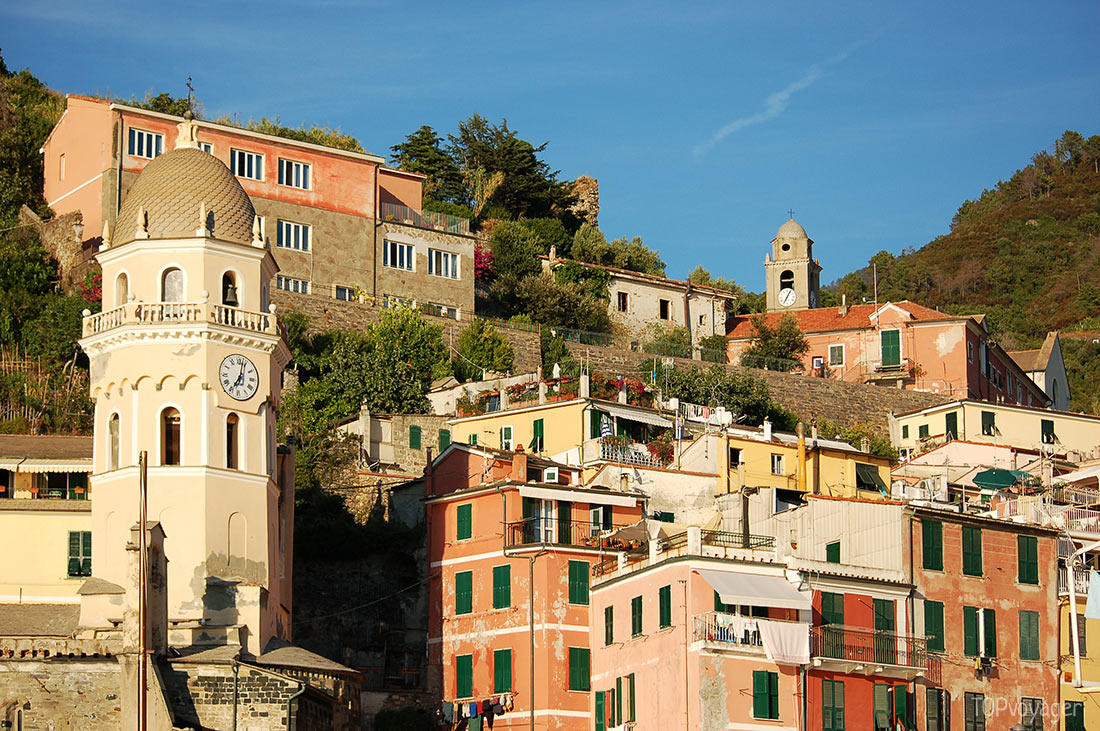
point(661, 448)
point(466, 406)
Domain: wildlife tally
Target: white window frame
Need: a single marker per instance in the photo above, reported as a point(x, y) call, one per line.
point(207, 147)
point(507, 443)
point(142, 141)
point(550, 474)
point(842, 355)
point(443, 264)
point(246, 164)
point(293, 235)
point(290, 284)
point(398, 255)
point(777, 463)
point(349, 291)
point(295, 174)
point(439, 310)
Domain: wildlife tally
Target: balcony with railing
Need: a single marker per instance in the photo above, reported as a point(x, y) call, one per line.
point(692, 542)
point(576, 533)
point(170, 313)
point(875, 652)
point(619, 450)
point(727, 631)
point(1080, 581)
point(424, 219)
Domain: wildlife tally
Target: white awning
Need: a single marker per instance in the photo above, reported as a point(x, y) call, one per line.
point(594, 497)
point(10, 463)
point(41, 464)
point(755, 590)
point(1080, 475)
point(645, 417)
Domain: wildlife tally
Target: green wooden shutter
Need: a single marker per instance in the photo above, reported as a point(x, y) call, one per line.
point(932, 544)
point(465, 521)
point(618, 700)
point(933, 625)
point(773, 695)
point(473, 440)
point(881, 711)
point(832, 696)
point(1027, 559)
point(970, 631)
point(972, 550)
point(1029, 635)
point(611, 708)
point(827, 705)
point(608, 625)
point(759, 694)
point(464, 592)
point(665, 602)
point(444, 439)
point(636, 616)
point(578, 668)
point(539, 441)
point(832, 608)
point(578, 582)
point(989, 423)
point(901, 705)
point(565, 523)
point(601, 718)
point(464, 676)
point(74, 553)
point(502, 587)
point(990, 618)
point(630, 684)
point(502, 671)
point(832, 552)
point(951, 425)
point(593, 424)
point(891, 347)
point(414, 437)
point(922, 431)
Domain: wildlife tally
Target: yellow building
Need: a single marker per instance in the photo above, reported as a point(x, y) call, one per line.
point(1079, 710)
point(44, 504)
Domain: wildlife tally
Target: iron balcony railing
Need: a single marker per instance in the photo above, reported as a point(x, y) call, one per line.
point(866, 646)
point(724, 539)
point(425, 219)
point(632, 453)
point(1080, 581)
point(581, 533)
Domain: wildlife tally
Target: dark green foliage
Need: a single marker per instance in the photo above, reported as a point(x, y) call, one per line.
point(317, 135)
point(593, 280)
point(590, 245)
point(1082, 358)
point(747, 302)
point(28, 111)
point(567, 305)
point(481, 346)
point(782, 343)
point(555, 351)
point(713, 348)
point(422, 152)
point(53, 333)
point(515, 251)
point(165, 103)
point(454, 209)
point(549, 232)
point(855, 434)
point(745, 396)
point(674, 342)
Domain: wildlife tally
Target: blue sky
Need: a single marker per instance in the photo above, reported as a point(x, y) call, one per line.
point(704, 122)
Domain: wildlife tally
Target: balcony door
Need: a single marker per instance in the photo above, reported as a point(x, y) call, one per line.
point(886, 649)
point(832, 613)
point(539, 524)
point(891, 348)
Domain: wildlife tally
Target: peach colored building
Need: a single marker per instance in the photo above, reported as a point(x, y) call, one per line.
point(339, 223)
point(901, 344)
point(511, 543)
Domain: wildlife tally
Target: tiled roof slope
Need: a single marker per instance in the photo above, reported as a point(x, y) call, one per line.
point(45, 447)
point(826, 319)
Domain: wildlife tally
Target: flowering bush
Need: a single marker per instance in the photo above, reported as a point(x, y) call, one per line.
point(483, 264)
point(91, 289)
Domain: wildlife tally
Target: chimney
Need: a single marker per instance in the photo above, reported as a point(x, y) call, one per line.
point(519, 464)
point(767, 430)
point(801, 431)
point(843, 310)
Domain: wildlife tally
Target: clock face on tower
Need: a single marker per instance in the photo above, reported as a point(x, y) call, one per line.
point(787, 296)
point(239, 377)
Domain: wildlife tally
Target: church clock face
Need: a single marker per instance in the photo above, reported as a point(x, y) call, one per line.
point(239, 377)
point(787, 296)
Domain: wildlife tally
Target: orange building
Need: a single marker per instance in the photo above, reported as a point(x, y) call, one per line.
point(901, 344)
point(512, 539)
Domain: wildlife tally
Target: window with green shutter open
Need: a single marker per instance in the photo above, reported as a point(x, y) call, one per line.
point(414, 437)
point(881, 711)
point(502, 671)
point(970, 631)
point(80, 553)
point(1027, 559)
point(932, 544)
point(619, 700)
point(664, 595)
point(578, 582)
point(464, 676)
point(464, 592)
point(601, 716)
point(538, 440)
point(933, 625)
point(464, 517)
point(765, 694)
point(989, 624)
point(635, 616)
point(972, 550)
point(951, 425)
point(502, 587)
point(832, 705)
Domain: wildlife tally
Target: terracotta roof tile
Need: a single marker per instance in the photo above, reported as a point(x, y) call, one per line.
point(825, 319)
point(45, 447)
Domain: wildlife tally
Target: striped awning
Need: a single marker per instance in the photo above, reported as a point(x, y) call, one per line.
point(644, 416)
point(42, 464)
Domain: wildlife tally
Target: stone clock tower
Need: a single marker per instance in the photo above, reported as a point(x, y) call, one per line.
point(186, 362)
point(793, 275)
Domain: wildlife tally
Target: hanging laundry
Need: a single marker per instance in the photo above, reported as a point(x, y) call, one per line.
point(448, 712)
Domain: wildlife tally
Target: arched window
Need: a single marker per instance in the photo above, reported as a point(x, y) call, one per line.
point(229, 290)
point(232, 438)
point(122, 289)
point(170, 437)
point(786, 279)
point(171, 289)
point(112, 442)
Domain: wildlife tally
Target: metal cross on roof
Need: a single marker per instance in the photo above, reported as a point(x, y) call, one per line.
point(190, 92)
point(790, 211)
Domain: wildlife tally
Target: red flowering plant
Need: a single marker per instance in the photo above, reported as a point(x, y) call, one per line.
point(483, 264)
point(91, 289)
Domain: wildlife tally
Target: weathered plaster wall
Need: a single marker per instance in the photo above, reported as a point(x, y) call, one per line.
point(79, 694)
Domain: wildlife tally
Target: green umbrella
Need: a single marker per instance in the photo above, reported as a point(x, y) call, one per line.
point(998, 479)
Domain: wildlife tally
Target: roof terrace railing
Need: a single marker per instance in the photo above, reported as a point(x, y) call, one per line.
point(578, 533)
point(159, 313)
point(425, 219)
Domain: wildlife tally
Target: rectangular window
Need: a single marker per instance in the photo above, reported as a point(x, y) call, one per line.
point(765, 694)
point(295, 174)
point(890, 341)
point(832, 705)
point(207, 147)
point(464, 592)
point(932, 544)
point(414, 437)
point(538, 441)
point(664, 601)
point(80, 553)
point(392, 301)
point(1075, 716)
point(905, 431)
point(881, 712)
point(989, 423)
point(951, 425)
point(578, 582)
point(635, 616)
point(502, 671)
point(608, 625)
point(777, 464)
point(622, 301)
point(933, 625)
point(663, 309)
point(578, 668)
point(464, 676)
point(347, 294)
point(922, 431)
point(398, 256)
point(1029, 635)
point(1027, 559)
point(973, 712)
point(442, 264)
point(502, 587)
point(970, 631)
point(465, 522)
point(934, 709)
point(145, 144)
point(1082, 647)
point(735, 457)
point(292, 235)
point(836, 355)
point(506, 438)
point(289, 284)
point(1031, 713)
point(989, 625)
point(61, 167)
point(972, 550)
point(473, 440)
point(444, 439)
point(246, 164)
point(832, 552)
point(1047, 426)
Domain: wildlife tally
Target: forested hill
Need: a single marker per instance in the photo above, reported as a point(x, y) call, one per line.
point(1025, 252)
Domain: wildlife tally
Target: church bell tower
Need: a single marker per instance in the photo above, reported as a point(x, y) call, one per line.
point(793, 275)
point(186, 362)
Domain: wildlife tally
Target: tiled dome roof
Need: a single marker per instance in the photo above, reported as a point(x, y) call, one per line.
point(791, 230)
point(172, 188)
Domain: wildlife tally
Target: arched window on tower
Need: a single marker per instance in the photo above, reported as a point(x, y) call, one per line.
point(170, 437)
point(232, 439)
point(112, 442)
point(229, 290)
point(786, 279)
point(122, 289)
point(171, 289)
